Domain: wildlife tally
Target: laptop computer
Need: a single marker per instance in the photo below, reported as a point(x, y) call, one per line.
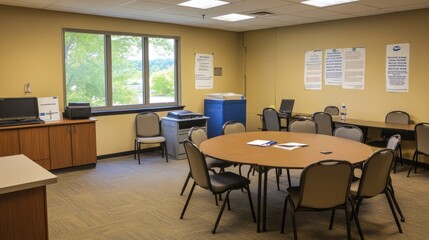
point(286, 106)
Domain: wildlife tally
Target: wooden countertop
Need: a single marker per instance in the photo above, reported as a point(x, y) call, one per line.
point(50, 123)
point(18, 172)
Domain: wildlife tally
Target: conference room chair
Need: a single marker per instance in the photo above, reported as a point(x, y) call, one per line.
point(148, 131)
point(215, 183)
point(375, 180)
point(350, 132)
point(305, 125)
point(324, 123)
point(421, 131)
point(231, 127)
point(324, 185)
point(332, 110)
point(197, 135)
point(394, 143)
point(271, 119)
point(398, 117)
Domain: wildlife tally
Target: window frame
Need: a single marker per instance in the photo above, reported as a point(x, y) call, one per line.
point(109, 109)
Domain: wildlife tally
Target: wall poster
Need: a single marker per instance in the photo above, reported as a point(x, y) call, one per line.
point(397, 67)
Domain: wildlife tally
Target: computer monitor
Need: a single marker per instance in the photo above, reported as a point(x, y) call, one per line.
point(286, 106)
point(18, 108)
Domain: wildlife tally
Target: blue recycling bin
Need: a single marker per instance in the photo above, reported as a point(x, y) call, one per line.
point(222, 111)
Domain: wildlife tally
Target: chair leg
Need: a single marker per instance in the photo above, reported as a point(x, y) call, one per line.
point(185, 184)
point(138, 152)
point(392, 193)
point(187, 200)
point(135, 148)
point(251, 203)
point(355, 215)
point(295, 234)
point(389, 199)
point(284, 215)
point(221, 211)
point(400, 154)
point(332, 219)
point(349, 235)
point(414, 160)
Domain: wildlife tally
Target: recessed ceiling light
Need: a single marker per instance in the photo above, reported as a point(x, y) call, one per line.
point(203, 4)
point(325, 3)
point(233, 17)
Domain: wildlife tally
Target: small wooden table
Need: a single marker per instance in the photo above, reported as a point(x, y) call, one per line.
point(234, 148)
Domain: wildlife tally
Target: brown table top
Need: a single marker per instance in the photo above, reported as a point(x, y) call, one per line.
point(374, 124)
point(234, 148)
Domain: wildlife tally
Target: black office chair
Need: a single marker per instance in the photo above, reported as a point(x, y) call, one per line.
point(271, 119)
point(216, 183)
point(350, 132)
point(332, 110)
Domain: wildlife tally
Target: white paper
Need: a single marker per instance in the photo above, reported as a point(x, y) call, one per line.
point(313, 70)
point(263, 143)
point(203, 71)
point(397, 67)
point(48, 108)
point(291, 145)
point(354, 68)
point(334, 66)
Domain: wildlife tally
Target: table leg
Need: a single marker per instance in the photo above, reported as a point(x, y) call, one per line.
point(264, 217)
point(258, 217)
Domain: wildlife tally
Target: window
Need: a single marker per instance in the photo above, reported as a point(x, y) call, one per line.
point(119, 71)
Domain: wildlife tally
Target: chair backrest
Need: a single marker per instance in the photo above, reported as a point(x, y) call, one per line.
point(197, 165)
point(233, 127)
point(332, 110)
point(422, 137)
point(305, 125)
point(325, 184)
point(375, 173)
point(349, 132)
point(399, 117)
point(147, 125)
point(271, 119)
point(197, 135)
point(324, 123)
point(394, 142)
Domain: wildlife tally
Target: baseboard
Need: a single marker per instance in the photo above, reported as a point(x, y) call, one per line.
point(121, 154)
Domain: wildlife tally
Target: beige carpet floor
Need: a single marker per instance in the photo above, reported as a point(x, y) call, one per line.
point(120, 199)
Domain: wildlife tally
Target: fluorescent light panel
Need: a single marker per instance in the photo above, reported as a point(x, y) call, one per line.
point(326, 3)
point(233, 17)
point(203, 4)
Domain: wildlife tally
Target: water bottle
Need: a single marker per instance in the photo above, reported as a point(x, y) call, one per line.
point(343, 112)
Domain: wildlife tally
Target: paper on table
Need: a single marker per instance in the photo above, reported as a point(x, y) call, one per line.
point(291, 145)
point(262, 143)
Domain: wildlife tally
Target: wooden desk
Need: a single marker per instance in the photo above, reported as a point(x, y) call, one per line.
point(234, 148)
point(374, 124)
point(23, 210)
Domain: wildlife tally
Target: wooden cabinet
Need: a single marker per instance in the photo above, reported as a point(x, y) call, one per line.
point(34, 143)
point(52, 145)
point(60, 146)
point(83, 144)
point(9, 142)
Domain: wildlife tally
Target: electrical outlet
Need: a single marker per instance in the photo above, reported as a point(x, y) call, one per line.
point(27, 88)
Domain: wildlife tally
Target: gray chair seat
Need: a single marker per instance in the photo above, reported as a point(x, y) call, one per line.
point(224, 181)
point(157, 139)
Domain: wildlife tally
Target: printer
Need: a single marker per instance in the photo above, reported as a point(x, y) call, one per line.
point(183, 114)
point(78, 111)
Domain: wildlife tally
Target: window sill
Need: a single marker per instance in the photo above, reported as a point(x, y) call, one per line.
point(135, 110)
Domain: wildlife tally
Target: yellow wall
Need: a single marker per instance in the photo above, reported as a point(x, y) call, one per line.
point(31, 52)
point(280, 52)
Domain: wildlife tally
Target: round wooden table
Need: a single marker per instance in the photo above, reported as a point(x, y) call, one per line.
point(235, 148)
